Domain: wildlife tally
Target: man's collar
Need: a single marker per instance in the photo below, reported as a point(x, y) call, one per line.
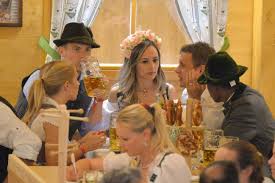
point(237, 93)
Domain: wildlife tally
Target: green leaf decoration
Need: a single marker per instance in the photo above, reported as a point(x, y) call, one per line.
point(226, 44)
point(44, 44)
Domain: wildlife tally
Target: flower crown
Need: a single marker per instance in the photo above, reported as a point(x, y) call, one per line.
point(133, 40)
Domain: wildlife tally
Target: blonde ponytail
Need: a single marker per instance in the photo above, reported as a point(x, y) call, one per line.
point(35, 99)
point(53, 76)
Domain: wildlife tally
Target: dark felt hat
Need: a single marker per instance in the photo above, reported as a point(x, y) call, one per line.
point(76, 33)
point(220, 69)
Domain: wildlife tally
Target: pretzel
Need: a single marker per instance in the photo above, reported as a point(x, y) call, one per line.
point(196, 113)
point(187, 143)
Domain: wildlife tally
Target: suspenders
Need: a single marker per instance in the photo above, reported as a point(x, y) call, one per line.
point(155, 174)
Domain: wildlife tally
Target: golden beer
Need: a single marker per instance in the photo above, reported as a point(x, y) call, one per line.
point(114, 142)
point(208, 156)
point(91, 83)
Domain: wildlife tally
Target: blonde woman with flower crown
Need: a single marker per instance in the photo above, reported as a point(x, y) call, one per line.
point(141, 79)
point(143, 136)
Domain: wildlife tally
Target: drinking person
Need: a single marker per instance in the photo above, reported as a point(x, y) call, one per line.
point(143, 137)
point(75, 44)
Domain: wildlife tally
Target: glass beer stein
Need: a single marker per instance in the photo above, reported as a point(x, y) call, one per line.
point(227, 139)
point(114, 141)
point(211, 144)
point(92, 76)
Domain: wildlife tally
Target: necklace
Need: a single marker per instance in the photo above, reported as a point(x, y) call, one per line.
point(148, 163)
point(145, 92)
point(145, 166)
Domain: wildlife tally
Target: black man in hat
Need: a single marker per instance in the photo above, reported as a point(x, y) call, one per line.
point(247, 115)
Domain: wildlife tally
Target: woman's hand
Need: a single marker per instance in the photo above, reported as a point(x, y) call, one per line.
point(82, 166)
point(93, 140)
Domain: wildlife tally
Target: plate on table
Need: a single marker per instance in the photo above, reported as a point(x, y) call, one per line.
point(97, 153)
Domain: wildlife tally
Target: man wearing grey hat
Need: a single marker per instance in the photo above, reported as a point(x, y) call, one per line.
point(247, 115)
point(75, 44)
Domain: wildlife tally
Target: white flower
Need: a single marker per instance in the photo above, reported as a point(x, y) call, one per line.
point(133, 40)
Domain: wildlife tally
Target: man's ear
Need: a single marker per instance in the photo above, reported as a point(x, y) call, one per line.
point(247, 171)
point(60, 50)
point(201, 69)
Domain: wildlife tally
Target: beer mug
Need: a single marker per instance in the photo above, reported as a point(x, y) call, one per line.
point(211, 144)
point(114, 141)
point(227, 139)
point(92, 76)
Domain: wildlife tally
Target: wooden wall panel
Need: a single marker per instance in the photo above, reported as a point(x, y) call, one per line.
point(111, 26)
point(240, 33)
point(18, 49)
point(267, 75)
point(155, 15)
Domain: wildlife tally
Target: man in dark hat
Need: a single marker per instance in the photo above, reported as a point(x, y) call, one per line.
point(76, 43)
point(247, 115)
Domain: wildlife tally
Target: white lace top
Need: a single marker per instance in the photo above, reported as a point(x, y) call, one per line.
point(172, 169)
point(37, 124)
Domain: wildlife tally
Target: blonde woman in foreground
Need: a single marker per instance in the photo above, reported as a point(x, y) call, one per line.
point(143, 137)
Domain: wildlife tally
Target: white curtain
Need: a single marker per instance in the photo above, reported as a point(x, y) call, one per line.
point(203, 20)
point(66, 11)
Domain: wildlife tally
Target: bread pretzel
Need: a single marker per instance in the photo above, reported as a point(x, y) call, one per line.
point(196, 113)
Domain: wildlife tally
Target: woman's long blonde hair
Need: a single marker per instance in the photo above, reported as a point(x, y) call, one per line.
point(128, 74)
point(53, 76)
point(139, 117)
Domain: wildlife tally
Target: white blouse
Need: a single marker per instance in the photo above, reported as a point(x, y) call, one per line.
point(173, 168)
point(37, 123)
point(17, 136)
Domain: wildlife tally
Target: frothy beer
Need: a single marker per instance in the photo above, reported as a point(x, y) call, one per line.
point(208, 156)
point(114, 142)
point(92, 83)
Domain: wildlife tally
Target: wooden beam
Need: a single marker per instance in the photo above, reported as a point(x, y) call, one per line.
point(46, 24)
point(257, 44)
point(133, 16)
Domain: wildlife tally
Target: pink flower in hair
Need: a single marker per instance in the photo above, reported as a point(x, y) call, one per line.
point(133, 40)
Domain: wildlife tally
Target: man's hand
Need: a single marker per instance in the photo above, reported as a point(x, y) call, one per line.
point(194, 89)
